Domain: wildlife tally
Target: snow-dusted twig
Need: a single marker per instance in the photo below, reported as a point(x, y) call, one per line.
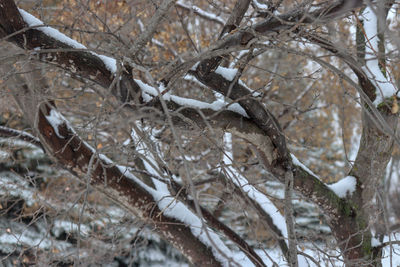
point(201, 13)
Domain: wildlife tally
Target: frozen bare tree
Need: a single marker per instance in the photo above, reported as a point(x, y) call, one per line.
point(187, 117)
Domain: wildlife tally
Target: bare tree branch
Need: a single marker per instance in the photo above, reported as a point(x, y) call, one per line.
point(21, 135)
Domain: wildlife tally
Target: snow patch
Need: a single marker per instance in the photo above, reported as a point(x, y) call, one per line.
point(227, 73)
point(177, 210)
point(55, 119)
point(375, 242)
point(260, 5)
point(253, 93)
point(173, 208)
point(345, 186)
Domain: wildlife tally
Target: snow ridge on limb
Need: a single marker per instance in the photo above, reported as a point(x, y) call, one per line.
point(111, 65)
point(345, 186)
point(269, 212)
point(297, 162)
point(384, 86)
point(51, 46)
point(21, 135)
point(32, 21)
point(149, 92)
point(173, 208)
point(341, 188)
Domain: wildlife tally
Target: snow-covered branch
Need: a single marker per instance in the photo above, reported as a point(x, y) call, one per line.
point(201, 13)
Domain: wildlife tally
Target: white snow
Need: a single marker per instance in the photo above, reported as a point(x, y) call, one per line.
point(344, 186)
point(56, 119)
point(194, 67)
point(297, 162)
point(277, 218)
point(227, 73)
point(12, 185)
point(34, 22)
point(375, 242)
point(191, 78)
point(217, 105)
point(384, 87)
point(174, 209)
point(25, 238)
point(110, 63)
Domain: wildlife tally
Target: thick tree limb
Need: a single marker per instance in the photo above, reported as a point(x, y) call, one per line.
point(75, 155)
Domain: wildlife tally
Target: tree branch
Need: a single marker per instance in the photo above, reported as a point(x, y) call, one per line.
point(21, 135)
